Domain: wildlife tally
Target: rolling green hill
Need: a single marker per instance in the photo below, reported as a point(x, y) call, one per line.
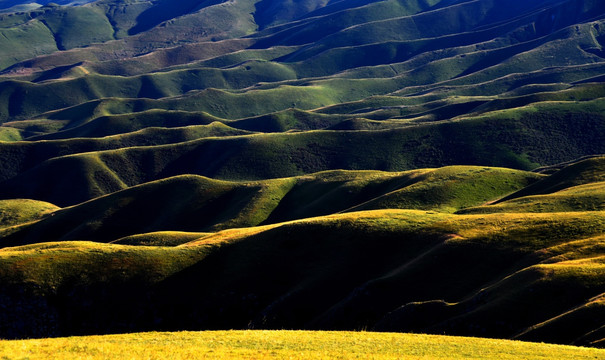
point(427, 166)
point(480, 275)
point(504, 259)
point(520, 141)
point(19, 211)
point(195, 203)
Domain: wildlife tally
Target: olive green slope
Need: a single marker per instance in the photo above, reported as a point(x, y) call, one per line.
point(528, 276)
point(312, 164)
point(521, 140)
point(455, 70)
point(474, 57)
point(331, 66)
point(19, 211)
point(576, 187)
point(198, 204)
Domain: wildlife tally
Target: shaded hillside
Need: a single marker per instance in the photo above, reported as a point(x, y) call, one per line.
point(271, 66)
point(494, 273)
point(316, 164)
point(521, 141)
point(480, 275)
point(194, 203)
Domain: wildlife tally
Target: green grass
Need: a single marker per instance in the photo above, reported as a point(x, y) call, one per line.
point(513, 143)
point(25, 41)
point(107, 125)
point(10, 134)
point(258, 164)
point(29, 128)
point(573, 187)
point(13, 212)
point(589, 197)
point(453, 188)
point(78, 26)
point(160, 238)
point(391, 270)
point(86, 263)
point(334, 90)
point(577, 173)
point(287, 344)
point(194, 203)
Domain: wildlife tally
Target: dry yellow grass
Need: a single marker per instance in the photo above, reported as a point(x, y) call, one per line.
point(286, 345)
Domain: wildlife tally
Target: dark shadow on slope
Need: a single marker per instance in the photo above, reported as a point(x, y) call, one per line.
point(167, 9)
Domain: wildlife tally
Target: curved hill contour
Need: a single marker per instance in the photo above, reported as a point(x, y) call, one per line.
point(394, 165)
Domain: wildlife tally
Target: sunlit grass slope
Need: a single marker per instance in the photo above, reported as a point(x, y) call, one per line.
point(17, 211)
point(195, 203)
point(287, 345)
point(160, 238)
point(582, 172)
point(535, 276)
point(578, 198)
point(10, 134)
point(577, 187)
point(522, 143)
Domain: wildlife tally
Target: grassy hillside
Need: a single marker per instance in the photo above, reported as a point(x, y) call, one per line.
point(577, 198)
point(194, 203)
point(28, 40)
point(382, 165)
point(522, 140)
point(583, 172)
point(504, 264)
point(288, 344)
point(502, 271)
point(18, 211)
point(577, 187)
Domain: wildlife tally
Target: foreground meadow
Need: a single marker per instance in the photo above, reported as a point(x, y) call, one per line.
point(286, 345)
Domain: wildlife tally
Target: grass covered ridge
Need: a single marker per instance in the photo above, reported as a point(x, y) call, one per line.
point(195, 203)
point(18, 211)
point(501, 269)
point(287, 344)
point(312, 164)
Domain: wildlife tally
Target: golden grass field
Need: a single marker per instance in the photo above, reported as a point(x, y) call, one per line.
point(286, 345)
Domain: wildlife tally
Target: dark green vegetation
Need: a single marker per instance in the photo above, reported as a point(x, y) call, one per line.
point(402, 252)
point(313, 164)
point(194, 203)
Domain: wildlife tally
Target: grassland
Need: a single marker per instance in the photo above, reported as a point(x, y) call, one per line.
point(286, 345)
point(397, 166)
point(522, 143)
point(195, 203)
point(18, 211)
point(502, 272)
point(504, 265)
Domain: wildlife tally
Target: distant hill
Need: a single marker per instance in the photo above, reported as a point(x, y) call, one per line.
point(24, 5)
point(359, 65)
